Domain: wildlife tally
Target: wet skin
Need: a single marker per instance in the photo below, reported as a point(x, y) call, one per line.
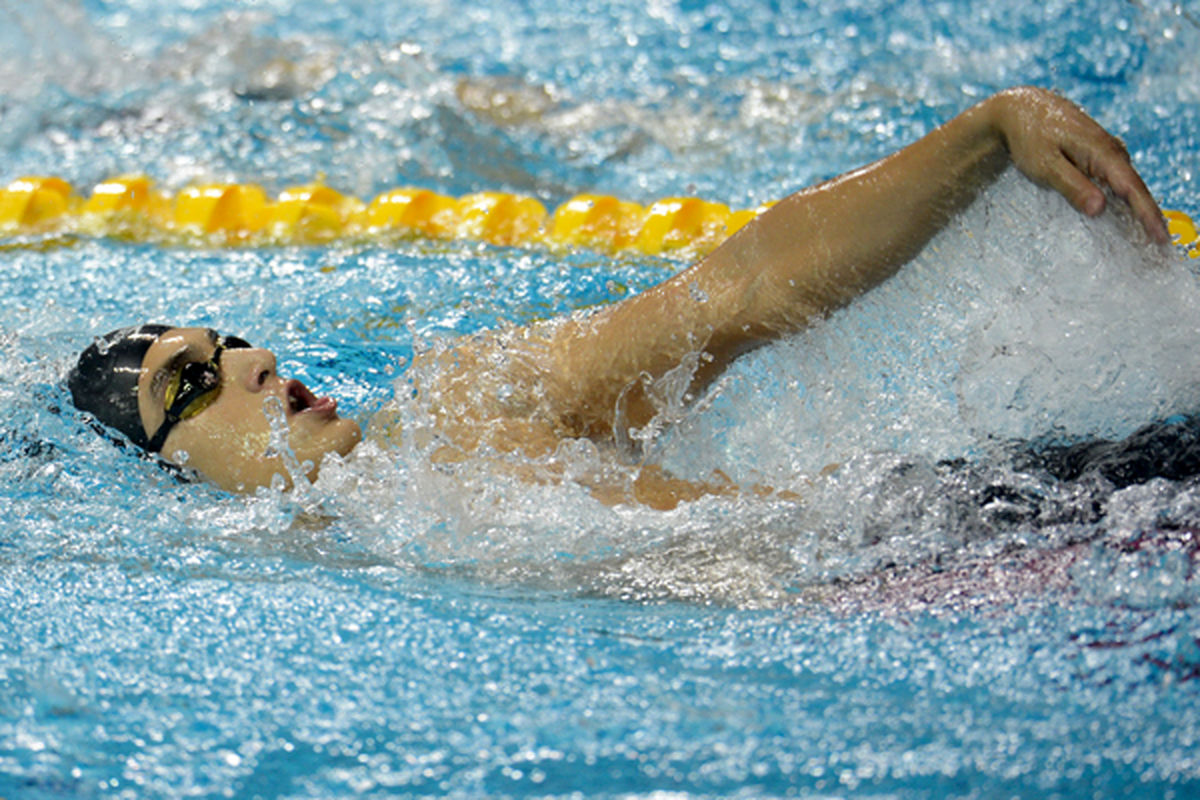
point(229, 441)
point(583, 376)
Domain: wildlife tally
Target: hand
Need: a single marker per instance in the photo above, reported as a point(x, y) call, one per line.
point(1056, 144)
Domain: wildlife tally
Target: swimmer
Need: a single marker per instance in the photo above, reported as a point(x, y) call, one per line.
point(195, 397)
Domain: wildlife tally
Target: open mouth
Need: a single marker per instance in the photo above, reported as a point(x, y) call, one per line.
point(300, 399)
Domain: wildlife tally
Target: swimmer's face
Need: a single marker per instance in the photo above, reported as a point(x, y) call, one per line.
point(225, 435)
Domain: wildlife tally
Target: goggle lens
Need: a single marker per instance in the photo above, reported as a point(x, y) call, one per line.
point(194, 388)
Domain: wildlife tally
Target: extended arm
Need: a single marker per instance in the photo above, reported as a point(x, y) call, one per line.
point(821, 247)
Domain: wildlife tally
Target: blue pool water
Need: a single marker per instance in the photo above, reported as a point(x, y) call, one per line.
point(928, 621)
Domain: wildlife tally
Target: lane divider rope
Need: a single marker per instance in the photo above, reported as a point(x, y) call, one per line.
point(233, 214)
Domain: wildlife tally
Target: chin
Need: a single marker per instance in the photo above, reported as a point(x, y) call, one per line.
point(348, 435)
point(340, 436)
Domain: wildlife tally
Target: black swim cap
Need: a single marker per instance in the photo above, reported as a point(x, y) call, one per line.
point(104, 381)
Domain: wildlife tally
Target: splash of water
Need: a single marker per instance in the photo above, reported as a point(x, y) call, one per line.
point(1021, 320)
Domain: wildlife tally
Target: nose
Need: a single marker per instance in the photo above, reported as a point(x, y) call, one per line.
point(252, 368)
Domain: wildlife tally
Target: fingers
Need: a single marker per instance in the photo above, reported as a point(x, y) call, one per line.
point(1108, 163)
point(1106, 160)
point(1056, 142)
point(1065, 178)
point(1127, 184)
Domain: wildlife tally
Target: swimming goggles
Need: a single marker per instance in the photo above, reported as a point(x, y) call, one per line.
point(194, 387)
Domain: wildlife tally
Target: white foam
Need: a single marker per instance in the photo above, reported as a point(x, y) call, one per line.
point(1022, 318)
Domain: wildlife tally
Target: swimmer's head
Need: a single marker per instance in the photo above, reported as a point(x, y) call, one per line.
point(104, 382)
point(201, 400)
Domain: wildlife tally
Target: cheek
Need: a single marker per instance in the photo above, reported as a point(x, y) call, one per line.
point(228, 447)
point(227, 451)
point(243, 435)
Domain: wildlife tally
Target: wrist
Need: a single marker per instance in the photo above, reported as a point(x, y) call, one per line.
point(996, 115)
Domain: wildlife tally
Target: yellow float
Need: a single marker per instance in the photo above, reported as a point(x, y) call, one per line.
point(414, 212)
point(237, 210)
point(34, 202)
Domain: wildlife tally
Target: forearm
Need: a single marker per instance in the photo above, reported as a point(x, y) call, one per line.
point(809, 254)
point(822, 247)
